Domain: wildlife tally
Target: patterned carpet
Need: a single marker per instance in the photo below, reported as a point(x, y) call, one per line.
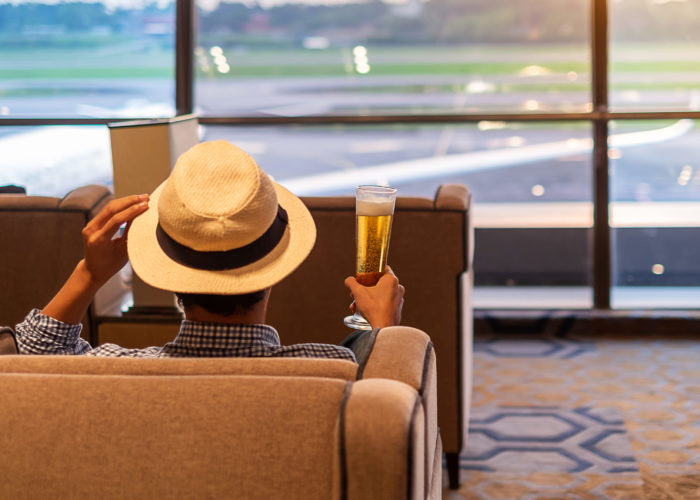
point(557, 414)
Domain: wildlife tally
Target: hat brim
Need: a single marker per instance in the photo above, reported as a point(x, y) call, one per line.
point(155, 267)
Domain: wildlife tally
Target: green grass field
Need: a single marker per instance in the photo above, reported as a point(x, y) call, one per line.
point(510, 68)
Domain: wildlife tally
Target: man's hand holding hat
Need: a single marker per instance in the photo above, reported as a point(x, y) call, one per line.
point(105, 254)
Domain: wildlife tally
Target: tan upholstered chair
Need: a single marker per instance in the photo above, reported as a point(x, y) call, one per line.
point(431, 252)
point(83, 427)
point(41, 243)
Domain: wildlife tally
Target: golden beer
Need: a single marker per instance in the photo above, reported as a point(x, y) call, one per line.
point(374, 209)
point(373, 228)
point(373, 233)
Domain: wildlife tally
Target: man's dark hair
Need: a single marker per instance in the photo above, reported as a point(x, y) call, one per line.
point(224, 305)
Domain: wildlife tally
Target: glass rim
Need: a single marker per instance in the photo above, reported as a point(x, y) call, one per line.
point(376, 189)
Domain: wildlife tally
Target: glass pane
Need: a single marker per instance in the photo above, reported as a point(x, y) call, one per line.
point(500, 162)
point(654, 51)
point(385, 57)
point(82, 59)
point(655, 214)
point(531, 188)
point(53, 160)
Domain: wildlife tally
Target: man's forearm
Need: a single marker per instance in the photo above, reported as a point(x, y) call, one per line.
point(71, 302)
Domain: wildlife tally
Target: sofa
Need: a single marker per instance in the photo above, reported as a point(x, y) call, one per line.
point(40, 244)
point(431, 251)
point(82, 427)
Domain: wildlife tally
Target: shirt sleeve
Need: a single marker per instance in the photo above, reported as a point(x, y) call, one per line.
point(41, 334)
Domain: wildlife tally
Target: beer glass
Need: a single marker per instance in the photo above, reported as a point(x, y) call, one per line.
point(374, 211)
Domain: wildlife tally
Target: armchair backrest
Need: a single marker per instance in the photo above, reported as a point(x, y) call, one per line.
point(209, 436)
point(40, 244)
point(430, 249)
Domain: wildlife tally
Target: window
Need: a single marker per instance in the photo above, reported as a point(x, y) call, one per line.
point(69, 156)
point(653, 55)
point(75, 59)
point(394, 57)
point(516, 100)
point(655, 213)
point(84, 61)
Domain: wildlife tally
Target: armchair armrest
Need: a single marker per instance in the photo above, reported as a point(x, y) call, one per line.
point(407, 355)
point(7, 341)
point(382, 442)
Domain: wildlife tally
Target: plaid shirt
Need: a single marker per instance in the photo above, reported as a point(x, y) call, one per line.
point(40, 334)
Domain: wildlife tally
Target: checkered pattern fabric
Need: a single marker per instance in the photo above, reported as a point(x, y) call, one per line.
point(40, 334)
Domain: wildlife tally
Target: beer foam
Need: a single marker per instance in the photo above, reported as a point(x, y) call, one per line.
point(375, 207)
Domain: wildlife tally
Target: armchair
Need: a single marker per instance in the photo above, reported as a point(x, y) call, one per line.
point(431, 252)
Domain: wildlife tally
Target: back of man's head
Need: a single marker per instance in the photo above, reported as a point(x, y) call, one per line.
point(220, 305)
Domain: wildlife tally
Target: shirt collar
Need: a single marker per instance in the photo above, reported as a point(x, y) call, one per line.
point(195, 334)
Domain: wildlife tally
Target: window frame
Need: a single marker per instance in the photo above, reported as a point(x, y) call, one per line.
point(598, 117)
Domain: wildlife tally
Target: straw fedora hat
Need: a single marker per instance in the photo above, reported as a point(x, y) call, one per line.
point(219, 225)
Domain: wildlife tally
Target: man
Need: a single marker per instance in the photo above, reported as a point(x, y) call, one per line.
point(219, 233)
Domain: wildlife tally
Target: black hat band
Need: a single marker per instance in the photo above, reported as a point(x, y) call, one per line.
point(226, 259)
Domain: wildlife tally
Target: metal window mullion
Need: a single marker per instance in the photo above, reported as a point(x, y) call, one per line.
point(184, 56)
point(602, 259)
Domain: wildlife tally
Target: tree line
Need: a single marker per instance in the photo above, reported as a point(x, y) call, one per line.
point(434, 21)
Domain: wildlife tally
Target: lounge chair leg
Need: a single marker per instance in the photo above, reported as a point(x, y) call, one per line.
point(453, 469)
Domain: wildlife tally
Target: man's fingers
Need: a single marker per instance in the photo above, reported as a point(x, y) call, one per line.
point(351, 283)
point(114, 215)
point(389, 277)
point(126, 216)
point(117, 205)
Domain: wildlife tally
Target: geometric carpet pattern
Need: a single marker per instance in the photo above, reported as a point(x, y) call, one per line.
point(548, 439)
point(561, 414)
